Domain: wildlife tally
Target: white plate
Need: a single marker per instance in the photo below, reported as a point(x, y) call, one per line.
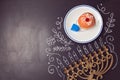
point(87, 35)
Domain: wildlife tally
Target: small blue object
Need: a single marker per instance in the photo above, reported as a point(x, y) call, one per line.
point(75, 27)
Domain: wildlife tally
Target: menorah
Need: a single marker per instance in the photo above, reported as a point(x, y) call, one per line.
point(91, 66)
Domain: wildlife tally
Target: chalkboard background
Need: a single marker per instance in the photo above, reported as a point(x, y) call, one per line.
point(25, 26)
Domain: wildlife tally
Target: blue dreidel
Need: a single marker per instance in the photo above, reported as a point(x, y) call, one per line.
point(75, 28)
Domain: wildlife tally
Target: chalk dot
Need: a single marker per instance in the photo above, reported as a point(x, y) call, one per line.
point(48, 62)
point(104, 42)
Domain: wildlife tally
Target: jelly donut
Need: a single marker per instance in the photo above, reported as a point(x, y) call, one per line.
point(86, 20)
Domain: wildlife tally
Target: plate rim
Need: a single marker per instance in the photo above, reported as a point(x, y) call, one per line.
point(83, 5)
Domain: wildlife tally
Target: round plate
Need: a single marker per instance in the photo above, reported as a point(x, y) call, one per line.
point(87, 35)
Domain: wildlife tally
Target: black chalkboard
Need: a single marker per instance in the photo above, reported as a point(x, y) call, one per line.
point(34, 46)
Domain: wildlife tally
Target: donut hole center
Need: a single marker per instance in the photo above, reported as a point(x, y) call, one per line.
point(87, 19)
